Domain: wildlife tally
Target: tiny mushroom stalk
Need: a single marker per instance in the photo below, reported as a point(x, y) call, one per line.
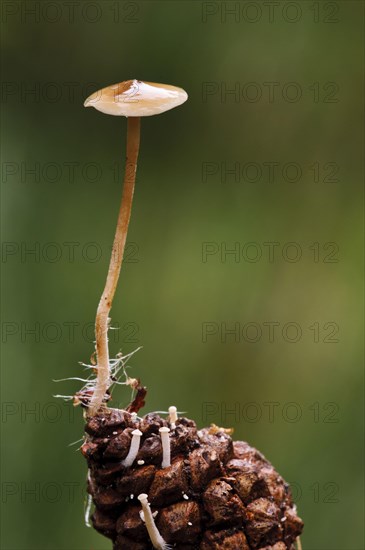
point(156, 539)
point(132, 99)
point(166, 451)
point(173, 416)
point(133, 449)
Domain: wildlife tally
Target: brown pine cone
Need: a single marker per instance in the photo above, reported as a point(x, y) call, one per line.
point(212, 493)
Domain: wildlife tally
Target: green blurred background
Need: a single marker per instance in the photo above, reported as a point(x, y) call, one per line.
point(296, 392)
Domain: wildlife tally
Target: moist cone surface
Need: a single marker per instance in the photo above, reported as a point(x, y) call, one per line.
point(216, 494)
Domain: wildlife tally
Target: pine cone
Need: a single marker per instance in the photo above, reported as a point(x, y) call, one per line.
point(215, 494)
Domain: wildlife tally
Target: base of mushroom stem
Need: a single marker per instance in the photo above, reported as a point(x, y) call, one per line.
point(213, 492)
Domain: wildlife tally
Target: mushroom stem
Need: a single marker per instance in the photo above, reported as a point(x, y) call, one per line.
point(173, 417)
point(133, 449)
point(166, 448)
point(106, 300)
point(156, 539)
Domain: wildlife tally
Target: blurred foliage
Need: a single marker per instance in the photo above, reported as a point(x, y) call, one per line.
point(169, 292)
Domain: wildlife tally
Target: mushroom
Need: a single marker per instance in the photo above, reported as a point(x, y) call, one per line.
point(156, 539)
point(133, 449)
point(166, 452)
point(173, 416)
point(132, 99)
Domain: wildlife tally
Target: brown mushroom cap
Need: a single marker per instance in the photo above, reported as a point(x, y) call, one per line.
point(134, 98)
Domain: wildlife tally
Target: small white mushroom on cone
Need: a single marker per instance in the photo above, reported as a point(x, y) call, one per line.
point(173, 416)
point(134, 448)
point(156, 539)
point(166, 450)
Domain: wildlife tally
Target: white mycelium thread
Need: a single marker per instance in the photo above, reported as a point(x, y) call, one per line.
point(173, 417)
point(133, 450)
point(88, 510)
point(156, 539)
point(166, 454)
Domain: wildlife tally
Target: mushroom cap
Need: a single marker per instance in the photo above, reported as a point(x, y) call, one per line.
point(164, 430)
point(134, 98)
